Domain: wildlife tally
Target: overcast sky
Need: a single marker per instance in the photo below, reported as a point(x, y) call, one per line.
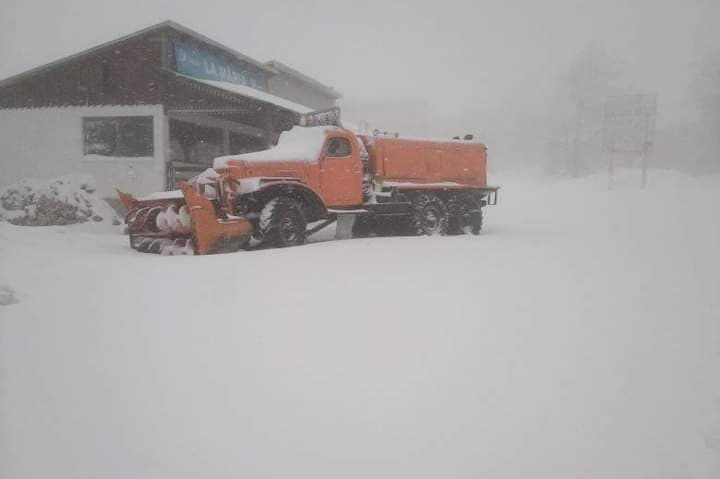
point(455, 58)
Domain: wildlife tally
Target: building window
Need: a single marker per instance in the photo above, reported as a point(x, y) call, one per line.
point(123, 136)
point(339, 147)
point(192, 143)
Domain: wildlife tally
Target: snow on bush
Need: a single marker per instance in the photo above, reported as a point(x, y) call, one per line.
point(7, 296)
point(61, 201)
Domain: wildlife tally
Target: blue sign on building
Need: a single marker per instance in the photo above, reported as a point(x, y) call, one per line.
point(194, 61)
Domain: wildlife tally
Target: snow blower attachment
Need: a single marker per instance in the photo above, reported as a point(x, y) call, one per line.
point(182, 225)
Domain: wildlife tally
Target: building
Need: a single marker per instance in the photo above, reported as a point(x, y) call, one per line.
point(147, 110)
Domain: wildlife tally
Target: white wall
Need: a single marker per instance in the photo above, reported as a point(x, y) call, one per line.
point(48, 142)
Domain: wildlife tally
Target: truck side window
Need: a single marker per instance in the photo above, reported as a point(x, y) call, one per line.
point(339, 147)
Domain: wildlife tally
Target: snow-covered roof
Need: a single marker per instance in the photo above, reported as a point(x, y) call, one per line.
point(299, 143)
point(282, 67)
point(250, 92)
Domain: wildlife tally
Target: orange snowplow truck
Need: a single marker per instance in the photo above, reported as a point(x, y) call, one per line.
point(370, 184)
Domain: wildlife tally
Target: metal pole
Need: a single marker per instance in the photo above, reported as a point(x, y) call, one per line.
point(643, 181)
point(646, 147)
point(226, 141)
point(575, 167)
point(166, 151)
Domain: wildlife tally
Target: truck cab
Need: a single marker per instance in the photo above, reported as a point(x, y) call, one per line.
point(325, 160)
point(341, 170)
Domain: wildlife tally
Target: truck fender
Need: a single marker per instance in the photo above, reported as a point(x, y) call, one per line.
point(316, 208)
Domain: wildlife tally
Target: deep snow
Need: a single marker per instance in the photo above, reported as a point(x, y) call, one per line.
point(578, 336)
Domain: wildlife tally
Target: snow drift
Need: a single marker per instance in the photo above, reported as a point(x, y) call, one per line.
point(577, 337)
point(61, 201)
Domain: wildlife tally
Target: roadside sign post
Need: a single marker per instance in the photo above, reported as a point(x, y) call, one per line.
point(643, 182)
point(629, 128)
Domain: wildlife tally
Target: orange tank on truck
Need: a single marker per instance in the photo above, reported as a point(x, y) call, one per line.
point(371, 185)
point(428, 161)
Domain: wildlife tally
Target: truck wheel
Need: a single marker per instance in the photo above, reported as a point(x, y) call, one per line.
point(457, 209)
point(430, 215)
point(465, 215)
point(282, 223)
point(472, 222)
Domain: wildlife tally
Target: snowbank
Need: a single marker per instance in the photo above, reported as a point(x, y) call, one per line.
point(577, 337)
point(61, 201)
point(299, 143)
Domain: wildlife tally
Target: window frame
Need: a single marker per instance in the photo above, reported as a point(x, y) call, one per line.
point(338, 138)
point(117, 121)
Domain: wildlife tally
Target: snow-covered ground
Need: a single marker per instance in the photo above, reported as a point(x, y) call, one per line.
point(578, 336)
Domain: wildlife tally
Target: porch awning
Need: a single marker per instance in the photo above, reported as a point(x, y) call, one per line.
point(250, 92)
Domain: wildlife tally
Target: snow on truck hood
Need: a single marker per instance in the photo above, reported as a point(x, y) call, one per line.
point(299, 143)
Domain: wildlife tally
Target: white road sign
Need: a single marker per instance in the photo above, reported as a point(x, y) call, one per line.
point(629, 123)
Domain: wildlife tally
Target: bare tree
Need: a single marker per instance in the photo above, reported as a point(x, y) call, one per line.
point(707, 92)
point(590, 78)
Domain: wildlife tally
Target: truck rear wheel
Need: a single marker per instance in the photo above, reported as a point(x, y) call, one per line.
point(282, 223)
point(457, 208)
point(430, 215)
point(468, 222)
point(465, 215)
point(472, 222)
